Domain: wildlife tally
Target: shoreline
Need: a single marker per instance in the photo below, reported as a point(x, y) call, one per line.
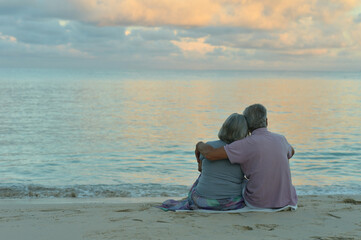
point(76, 200)
point(325, 217)
point(130, 200)
point(122, 200)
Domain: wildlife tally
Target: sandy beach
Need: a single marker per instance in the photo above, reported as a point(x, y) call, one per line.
point(318, 217)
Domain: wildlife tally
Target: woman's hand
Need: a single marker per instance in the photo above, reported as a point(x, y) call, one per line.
point(197, 153)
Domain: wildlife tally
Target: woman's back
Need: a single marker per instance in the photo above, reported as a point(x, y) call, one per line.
point(219, 179)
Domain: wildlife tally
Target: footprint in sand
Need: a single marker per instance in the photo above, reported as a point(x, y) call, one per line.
point(124, 210)
point(334, 216)
point(246, 228)
point(160, 221)
point(268, 227)
point(332, 238)
point(178, 216)
point(61, 210)
point(10, 218)
point(117, 219)
point(137, 220)
point(351, 201)
point(51, 210)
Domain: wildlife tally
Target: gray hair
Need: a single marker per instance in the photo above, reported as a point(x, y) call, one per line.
point(256, 116)
point(234, 128)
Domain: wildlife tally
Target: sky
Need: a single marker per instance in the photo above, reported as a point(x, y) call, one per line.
point(303, 35)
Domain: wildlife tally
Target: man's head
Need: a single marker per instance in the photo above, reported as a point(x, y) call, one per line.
point(256, 116)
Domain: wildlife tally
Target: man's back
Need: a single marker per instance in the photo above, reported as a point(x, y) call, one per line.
point(264, 160)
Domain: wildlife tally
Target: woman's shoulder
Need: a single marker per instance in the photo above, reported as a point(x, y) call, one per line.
point(216, 143)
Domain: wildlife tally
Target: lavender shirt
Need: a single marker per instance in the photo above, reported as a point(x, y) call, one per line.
point(264, 159)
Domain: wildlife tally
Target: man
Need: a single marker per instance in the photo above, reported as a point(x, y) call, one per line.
point(264, 158)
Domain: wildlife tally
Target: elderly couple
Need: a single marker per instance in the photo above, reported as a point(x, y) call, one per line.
point(242, 169)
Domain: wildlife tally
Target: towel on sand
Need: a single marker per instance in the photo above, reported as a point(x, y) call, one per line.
point(245, 209)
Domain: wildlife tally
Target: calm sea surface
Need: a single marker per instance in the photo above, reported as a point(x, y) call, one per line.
point(86, 133)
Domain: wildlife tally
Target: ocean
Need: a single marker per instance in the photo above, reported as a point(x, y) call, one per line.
point(89, 133)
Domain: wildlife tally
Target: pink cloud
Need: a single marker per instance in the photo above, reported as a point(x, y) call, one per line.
point(194, 46)
point(257, 14)
point(309, 52)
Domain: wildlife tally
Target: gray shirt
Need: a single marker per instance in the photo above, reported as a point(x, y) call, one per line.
point(219, 179)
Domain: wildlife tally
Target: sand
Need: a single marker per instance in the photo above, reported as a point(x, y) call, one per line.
point(318, 217)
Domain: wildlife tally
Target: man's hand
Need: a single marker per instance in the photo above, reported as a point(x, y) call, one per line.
point(209, 152)
point(291, 153)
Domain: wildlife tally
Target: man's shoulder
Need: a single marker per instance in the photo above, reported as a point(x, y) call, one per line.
point(277, 135)
point(266, 136)
point(244, 142)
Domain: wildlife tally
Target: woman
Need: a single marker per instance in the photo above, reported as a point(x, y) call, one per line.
point(219, 186)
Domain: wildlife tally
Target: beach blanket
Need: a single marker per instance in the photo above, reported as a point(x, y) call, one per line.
point(245, 209)
point(196, 202)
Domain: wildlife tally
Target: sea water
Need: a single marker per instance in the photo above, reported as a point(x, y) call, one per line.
point(105, 133)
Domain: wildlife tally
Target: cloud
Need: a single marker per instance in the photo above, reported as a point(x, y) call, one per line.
point(38, 32)
point(7, 38)
point(309, 52)
point(358, 18)
point(200, 34)
point(63, 23)
point(256, 14)
point(68, 50)
point(127, 32)
point(189, 45)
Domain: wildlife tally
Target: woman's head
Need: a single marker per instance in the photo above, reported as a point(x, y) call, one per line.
point(233, 129)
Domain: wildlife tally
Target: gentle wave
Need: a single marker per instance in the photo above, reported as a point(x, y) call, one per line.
point(139, 190)
point(91, 191)
point(351, 189)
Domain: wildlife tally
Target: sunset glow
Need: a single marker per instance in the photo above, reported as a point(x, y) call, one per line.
point(165, 34)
